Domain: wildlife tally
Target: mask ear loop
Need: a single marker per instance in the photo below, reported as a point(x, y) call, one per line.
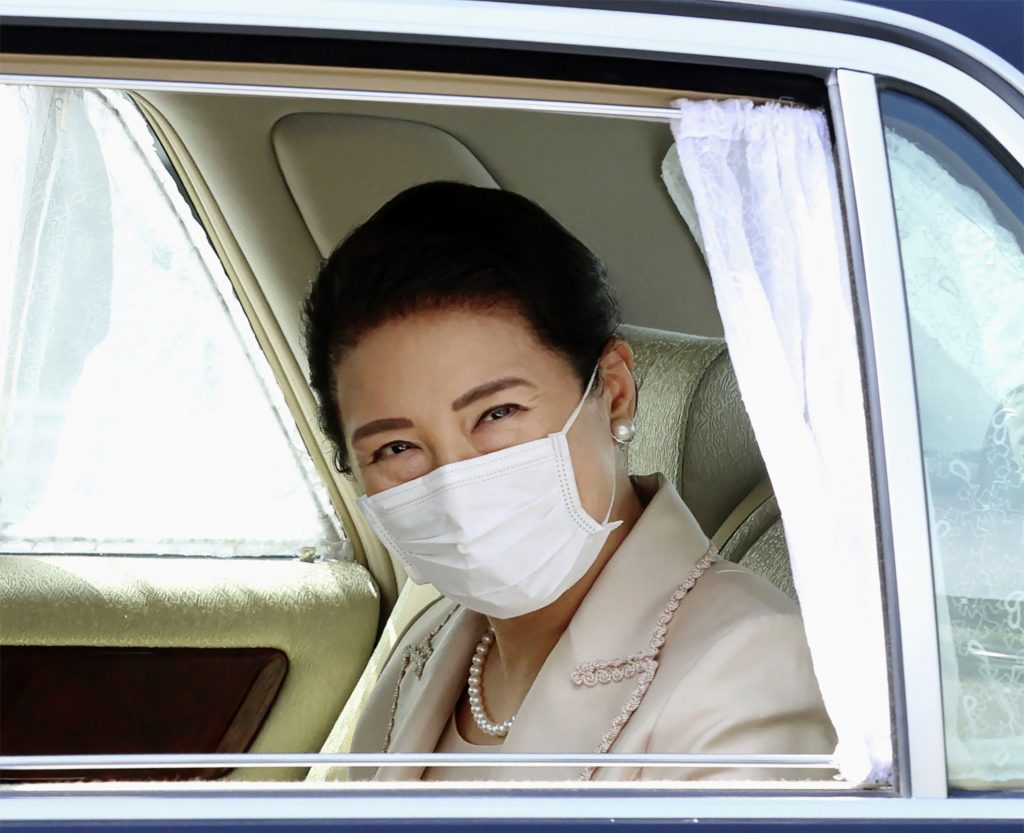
point(572, 421)
point(579, 407)
point(611, 503)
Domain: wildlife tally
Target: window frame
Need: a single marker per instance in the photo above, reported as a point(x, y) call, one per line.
point(892, 393)
point(903, 534)
point(895, 439)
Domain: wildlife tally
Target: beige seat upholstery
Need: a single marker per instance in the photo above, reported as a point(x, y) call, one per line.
point(340, 169)
point(691, 424)
point(692, 427)
point(322, 615)
point(766, 554)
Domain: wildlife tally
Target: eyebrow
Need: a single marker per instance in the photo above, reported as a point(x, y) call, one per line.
point(378, 426)
point(486, 389)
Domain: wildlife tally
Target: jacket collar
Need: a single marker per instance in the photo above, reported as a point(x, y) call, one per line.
point(650, 563)
point(615, 620)
point(429, 687)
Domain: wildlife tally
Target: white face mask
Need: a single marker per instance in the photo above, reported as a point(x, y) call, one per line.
point(504, 533)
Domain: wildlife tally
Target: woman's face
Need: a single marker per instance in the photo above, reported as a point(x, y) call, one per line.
point(442, 386)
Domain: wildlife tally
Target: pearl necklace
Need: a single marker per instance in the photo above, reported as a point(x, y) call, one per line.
point(476, 699)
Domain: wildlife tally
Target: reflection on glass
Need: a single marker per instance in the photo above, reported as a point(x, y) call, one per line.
point(959, 213)
point(137, 413)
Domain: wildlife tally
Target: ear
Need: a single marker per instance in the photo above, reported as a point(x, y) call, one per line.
point(618, 384)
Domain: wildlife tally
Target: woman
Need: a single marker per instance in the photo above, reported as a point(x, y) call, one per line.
point(463, 348)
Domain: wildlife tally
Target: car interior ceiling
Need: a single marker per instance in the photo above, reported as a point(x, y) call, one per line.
point(311, 170)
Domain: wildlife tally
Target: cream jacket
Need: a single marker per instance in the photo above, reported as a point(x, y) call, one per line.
point(670, 651)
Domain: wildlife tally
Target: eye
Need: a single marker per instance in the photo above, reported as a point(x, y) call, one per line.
point(391, 450)
point(499, 413)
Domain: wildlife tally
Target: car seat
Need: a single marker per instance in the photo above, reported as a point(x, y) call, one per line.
point(692, 427)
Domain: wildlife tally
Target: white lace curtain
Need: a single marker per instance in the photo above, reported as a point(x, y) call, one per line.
point(137, 412)
point(764, 191)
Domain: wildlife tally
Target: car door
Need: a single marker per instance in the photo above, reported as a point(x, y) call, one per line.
point(757, 47)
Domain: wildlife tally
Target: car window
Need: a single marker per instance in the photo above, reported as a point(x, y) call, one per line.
point(139, 415)
point(138, 243)
point(960, 212)
point(984, 733)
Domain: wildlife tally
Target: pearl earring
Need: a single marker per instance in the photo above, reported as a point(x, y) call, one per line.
point(623, 431)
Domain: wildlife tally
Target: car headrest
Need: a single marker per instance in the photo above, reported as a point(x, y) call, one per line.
point(341, 168)
point(691, 423)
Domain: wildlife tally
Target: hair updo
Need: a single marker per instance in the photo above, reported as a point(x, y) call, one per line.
point(446, 245)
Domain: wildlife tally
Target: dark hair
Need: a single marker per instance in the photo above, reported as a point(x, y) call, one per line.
point(442, 245)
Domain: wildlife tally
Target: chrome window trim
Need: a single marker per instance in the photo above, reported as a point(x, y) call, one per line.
point(519, 22)
point(913, 626)
point(386, 759)
point(478, 801)
point(654, 36)
point(621, 111)
point(877, 22)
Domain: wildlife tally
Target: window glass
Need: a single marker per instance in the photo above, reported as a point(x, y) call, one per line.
point(960, 213)
point(138, 414)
